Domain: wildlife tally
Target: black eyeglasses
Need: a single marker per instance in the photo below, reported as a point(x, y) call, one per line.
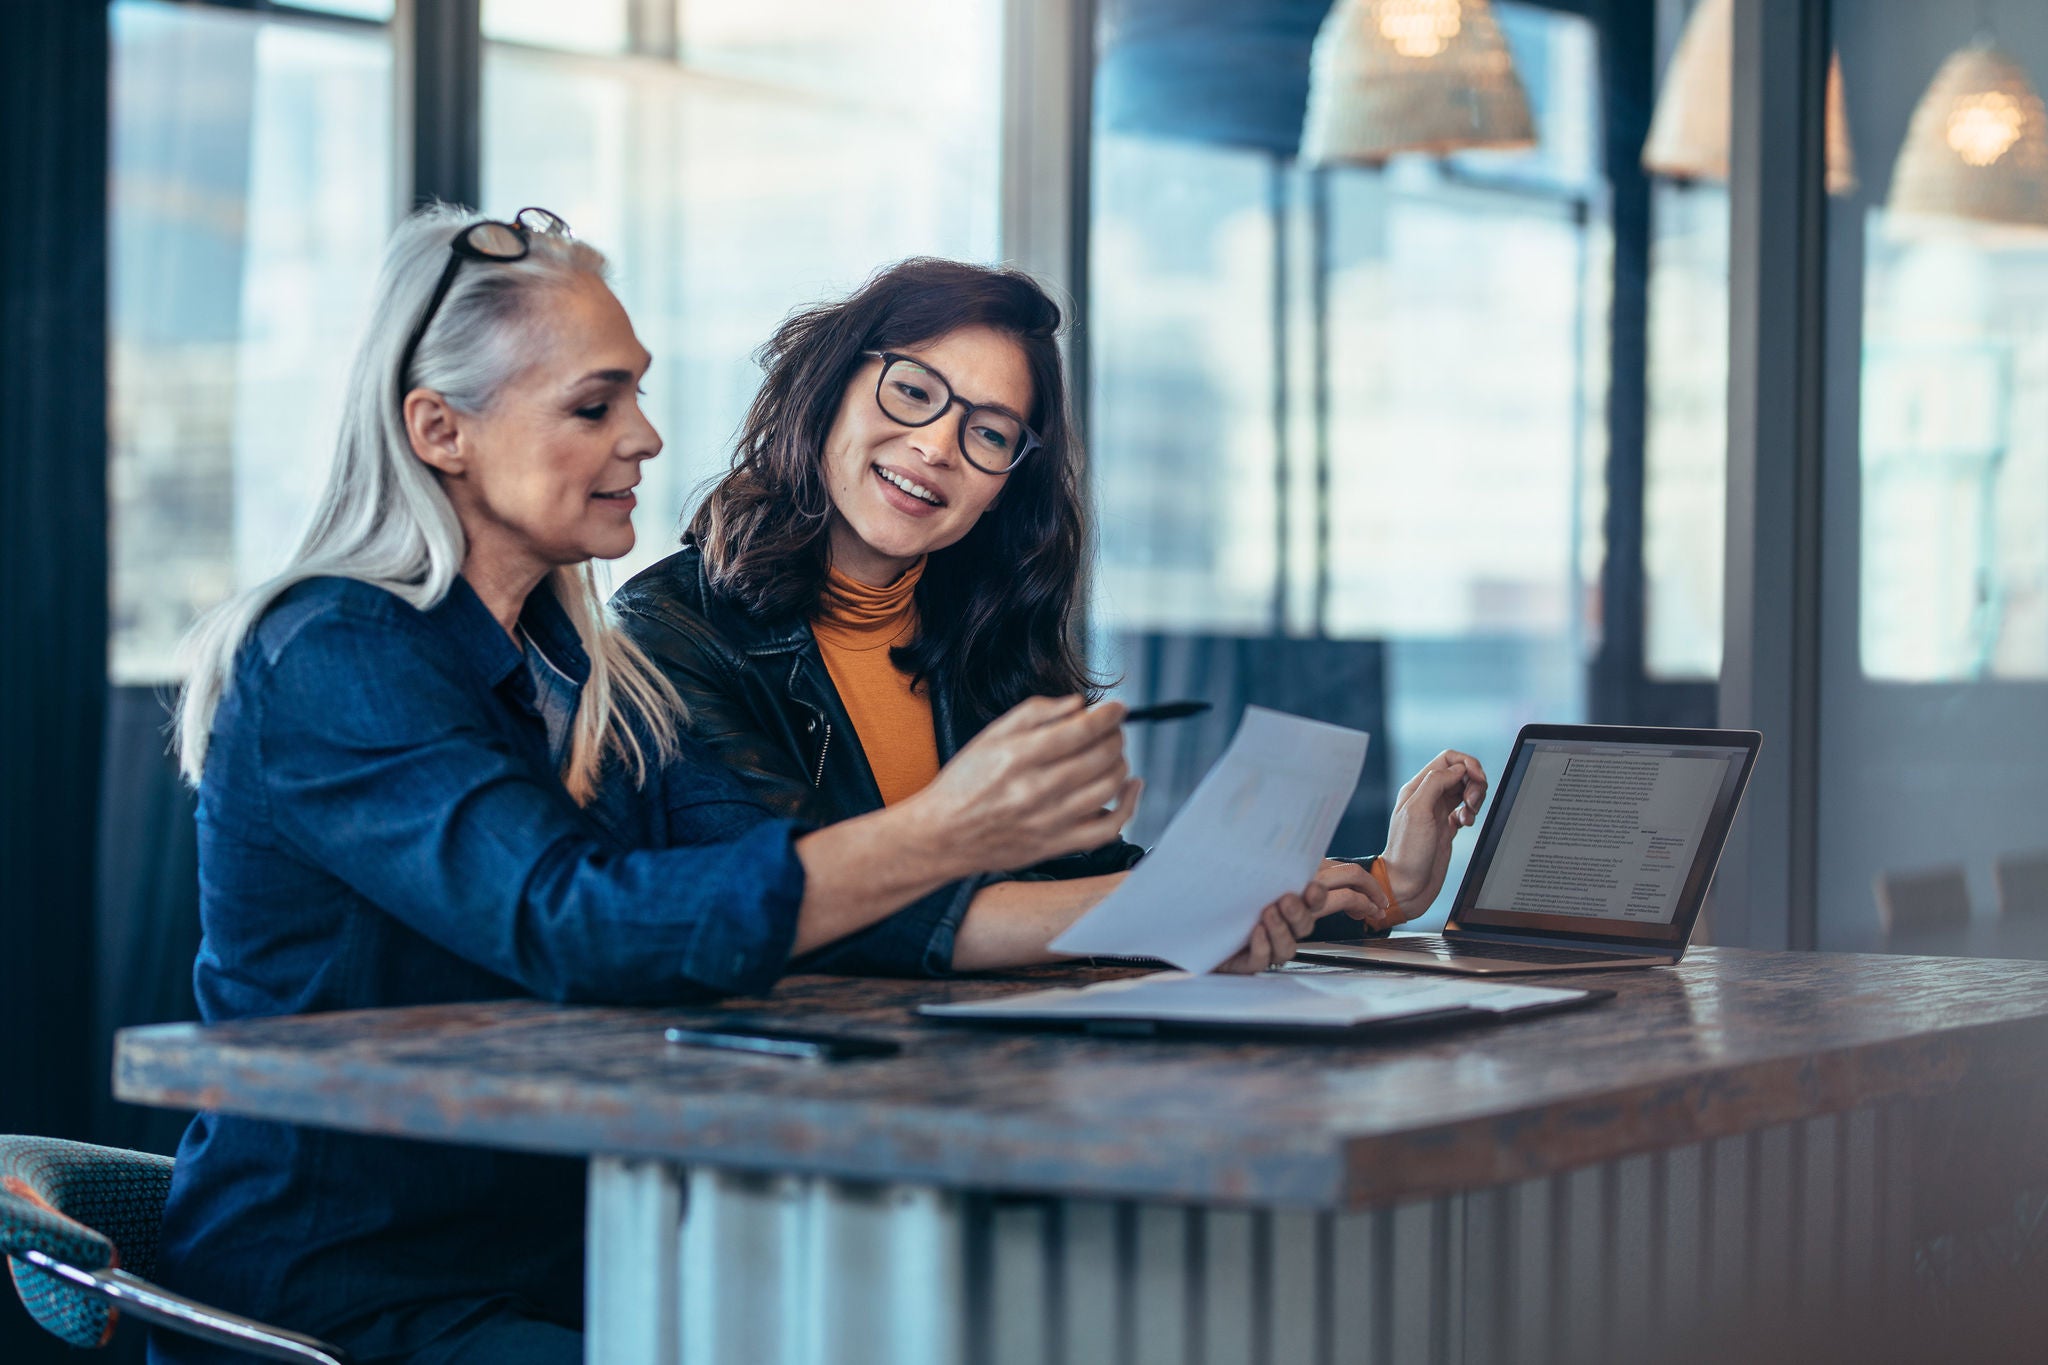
point(916, 395)
point(487, 240)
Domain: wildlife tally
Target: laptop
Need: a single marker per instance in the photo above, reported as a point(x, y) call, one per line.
point(1596, 854)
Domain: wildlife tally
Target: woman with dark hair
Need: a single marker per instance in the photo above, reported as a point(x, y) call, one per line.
point(893, 562)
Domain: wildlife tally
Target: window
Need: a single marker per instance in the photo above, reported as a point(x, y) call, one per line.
point(1685, 453)
point(602, 26)
point(1182, 330)
point(250, 195)
point(1358, 407)
point(1954, 458)
point(735, 160)
point(1934, 567)
point(777, 155)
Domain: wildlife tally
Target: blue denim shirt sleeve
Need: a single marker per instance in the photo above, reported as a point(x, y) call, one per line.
point(715, 802)
point(378, 768)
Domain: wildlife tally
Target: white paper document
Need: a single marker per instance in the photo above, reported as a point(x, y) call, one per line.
point(1334, 999)
point(1254, 829)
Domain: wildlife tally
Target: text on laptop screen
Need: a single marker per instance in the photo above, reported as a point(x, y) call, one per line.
point(1603, 831)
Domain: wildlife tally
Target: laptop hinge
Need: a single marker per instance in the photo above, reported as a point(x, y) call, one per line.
point(1508, 936)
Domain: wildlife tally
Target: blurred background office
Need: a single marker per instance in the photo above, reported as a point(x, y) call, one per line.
point(1693, 369)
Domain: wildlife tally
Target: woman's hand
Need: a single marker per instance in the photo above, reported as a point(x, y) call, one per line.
point(1281, 927)
point(1428, 813)
point(1047, 778)
point(1357, 893)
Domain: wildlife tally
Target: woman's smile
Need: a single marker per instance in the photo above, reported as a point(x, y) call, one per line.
point(621, 498)
point(906, 494)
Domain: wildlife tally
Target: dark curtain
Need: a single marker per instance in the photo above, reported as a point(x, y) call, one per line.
point(53, 571)
point(148, 901)
point(146, 924)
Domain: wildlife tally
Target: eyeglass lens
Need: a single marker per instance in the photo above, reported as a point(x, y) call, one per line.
point(541, 220)
point(916, 397)
point(499, 241)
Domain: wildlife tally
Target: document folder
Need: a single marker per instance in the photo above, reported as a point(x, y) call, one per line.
point(1296, 1002)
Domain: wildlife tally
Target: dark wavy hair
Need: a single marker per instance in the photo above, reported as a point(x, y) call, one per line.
point(996, 610)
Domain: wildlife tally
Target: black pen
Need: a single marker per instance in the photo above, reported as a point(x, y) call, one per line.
point(779, 1042)
point(1167, 710)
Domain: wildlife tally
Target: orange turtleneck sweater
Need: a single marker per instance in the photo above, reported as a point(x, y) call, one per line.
point(855, 628)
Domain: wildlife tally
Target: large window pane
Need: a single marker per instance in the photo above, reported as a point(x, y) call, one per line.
point(1955, 458)
point(1934, 572)
point(1348, 426)
point(1459, 398)
point(1182, 339)
point(377, 10)
point(586, 26)
point(1686, 432)
point(250, 197)
point(725, 203)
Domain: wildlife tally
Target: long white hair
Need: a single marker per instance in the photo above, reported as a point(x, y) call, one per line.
point(384, 518)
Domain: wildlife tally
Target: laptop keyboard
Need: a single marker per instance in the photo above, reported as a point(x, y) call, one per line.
point(1435, 945)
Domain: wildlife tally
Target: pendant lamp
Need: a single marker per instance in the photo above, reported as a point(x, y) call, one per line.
point(1689, 130)
point(1430, 76)
point(1976, 149)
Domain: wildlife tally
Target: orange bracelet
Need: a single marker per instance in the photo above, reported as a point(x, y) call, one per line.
point(1379, 873)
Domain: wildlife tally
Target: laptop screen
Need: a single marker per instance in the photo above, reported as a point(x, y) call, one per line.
point(1611, 837)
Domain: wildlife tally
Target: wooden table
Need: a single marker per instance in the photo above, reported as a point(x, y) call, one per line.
point(1750, 1151)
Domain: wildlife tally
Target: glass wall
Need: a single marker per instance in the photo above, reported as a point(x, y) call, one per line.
point(250, 192)
point(1685, 442)
point(1355, 414)
point(1954, 457)
point(1935, 711)
point(759, 157)
point(735, 160)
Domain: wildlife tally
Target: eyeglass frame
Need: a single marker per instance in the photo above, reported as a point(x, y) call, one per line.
point(461, 248)
point(1032, 441)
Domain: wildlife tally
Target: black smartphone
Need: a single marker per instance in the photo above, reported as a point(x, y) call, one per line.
point(783, 1042)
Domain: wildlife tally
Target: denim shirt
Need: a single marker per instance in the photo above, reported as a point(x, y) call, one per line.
point(380, 824)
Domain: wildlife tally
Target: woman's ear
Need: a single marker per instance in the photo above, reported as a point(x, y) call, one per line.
point(435, 434)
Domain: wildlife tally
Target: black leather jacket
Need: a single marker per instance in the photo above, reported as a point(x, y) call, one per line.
point(759, 697)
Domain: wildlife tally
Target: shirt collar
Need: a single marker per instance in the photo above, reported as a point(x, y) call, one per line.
point(549, 627)
point(491, 651)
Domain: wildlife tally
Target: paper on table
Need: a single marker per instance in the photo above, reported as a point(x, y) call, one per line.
point(1255, 828)
point(1268, 998)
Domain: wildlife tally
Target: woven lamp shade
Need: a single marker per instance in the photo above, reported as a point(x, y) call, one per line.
point(1689, 132)
point(1977, 147)
point(1430, 76)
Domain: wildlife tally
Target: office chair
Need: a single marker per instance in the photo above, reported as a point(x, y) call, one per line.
point(79, 1226)
point(1922, 901)
point(2022, 882)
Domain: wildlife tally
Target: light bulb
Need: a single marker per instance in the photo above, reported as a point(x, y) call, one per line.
point(1982, 128)
point(1420, 28)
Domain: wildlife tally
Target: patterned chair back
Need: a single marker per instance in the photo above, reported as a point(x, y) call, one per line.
point(91, 1207)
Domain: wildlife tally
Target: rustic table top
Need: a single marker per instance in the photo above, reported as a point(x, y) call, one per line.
point(1727, 1042)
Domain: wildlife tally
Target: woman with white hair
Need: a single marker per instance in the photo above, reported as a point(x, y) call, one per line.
point(430, 770)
